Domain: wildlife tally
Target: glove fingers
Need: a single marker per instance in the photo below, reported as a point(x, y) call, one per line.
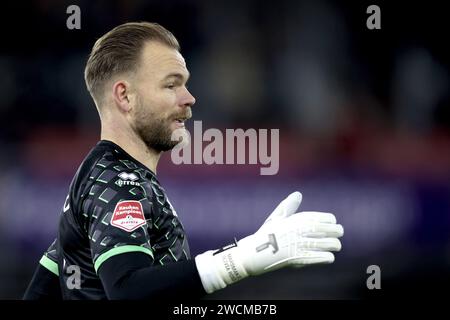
point(323, 230)
point(316, 216)
point(321, 244)
point(312, 257)
point(286, 207)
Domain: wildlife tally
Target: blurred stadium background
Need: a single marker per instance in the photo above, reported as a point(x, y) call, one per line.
point(364, 119)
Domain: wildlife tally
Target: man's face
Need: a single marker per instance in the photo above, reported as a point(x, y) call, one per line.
point(163, 102)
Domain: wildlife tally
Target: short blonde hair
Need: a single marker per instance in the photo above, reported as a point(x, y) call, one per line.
point(118, 51)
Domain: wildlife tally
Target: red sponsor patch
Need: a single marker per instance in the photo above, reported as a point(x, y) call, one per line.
point(128, 215)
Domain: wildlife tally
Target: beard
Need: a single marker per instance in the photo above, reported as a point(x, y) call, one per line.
point(155, 130)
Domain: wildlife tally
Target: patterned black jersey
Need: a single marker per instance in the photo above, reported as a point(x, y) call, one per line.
point(115, 205)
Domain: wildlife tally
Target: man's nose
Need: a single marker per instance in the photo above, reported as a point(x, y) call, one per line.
point(187, 99)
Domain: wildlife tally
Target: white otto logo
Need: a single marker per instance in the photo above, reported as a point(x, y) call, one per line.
point(128, 176)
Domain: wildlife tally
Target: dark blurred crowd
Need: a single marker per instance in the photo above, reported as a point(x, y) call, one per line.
point(364, 119)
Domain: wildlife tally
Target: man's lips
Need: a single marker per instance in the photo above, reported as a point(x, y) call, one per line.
point(179, 121)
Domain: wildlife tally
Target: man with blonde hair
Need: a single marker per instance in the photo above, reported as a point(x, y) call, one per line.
point(119, 236)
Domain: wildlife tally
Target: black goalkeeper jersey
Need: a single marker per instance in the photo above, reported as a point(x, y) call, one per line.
point(115, 205)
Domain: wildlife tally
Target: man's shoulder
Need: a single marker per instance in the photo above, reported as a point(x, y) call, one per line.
point(107, 176)
point(107, 164)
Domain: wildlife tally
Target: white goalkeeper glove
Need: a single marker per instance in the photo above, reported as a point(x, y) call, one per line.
point(285, 239)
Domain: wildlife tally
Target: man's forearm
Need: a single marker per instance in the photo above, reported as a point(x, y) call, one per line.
point(130, 276)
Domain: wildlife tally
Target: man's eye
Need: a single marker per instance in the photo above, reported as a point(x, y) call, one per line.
point(170, 86)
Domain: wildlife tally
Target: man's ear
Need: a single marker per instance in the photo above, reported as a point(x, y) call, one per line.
point(121, 95)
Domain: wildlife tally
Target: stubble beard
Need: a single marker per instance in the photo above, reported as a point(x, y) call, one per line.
point(153, 130)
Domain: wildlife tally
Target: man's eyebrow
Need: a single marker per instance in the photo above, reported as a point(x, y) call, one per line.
point(178, 75)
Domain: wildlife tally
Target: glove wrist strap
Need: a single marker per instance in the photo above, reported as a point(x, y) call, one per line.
point(220, 268)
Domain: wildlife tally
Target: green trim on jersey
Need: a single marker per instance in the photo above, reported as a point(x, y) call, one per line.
point(119, 250)
point(49, 264)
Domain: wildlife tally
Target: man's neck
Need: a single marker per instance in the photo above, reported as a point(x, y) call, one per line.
point(133, 145)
